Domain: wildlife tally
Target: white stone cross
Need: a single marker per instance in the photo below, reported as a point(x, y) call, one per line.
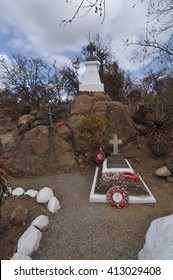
point(115, 141)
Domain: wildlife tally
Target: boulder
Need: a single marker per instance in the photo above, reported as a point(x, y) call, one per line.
point(44, 195)
point(53, 205)
point(169, 179)
point(159, 240)
point(163, 171)
point(29, 241)
point(101, 104)
point(169, 164)
point(25, 119)
point(31, 193)
point(40, 222)
point(42, 150)
point(18, 191)
point(122, 120)
point(18, 256)
point(19, 215)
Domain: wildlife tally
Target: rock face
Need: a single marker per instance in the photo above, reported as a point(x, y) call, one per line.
point(101, 104)
point(40, 149)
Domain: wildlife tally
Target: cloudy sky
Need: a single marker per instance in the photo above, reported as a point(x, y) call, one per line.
point(34, 26)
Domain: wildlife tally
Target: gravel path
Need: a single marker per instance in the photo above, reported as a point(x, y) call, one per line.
point(83, 230)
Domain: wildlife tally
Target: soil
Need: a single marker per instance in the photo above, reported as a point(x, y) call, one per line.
point(83, 230)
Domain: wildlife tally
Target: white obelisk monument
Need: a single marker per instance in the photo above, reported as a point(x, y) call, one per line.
point(91, 81)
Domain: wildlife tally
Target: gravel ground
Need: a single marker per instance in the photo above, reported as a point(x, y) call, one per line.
point(82, 230)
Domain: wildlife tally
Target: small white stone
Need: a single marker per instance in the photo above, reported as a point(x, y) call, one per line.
point(18, 256)
point(163, 171)
point(53, 205)
point(44, 195)
point(18, 191)
point(29, 241)
point(31, 193)
point(41, 221)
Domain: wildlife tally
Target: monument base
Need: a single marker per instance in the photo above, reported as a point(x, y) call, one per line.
point(92, 87)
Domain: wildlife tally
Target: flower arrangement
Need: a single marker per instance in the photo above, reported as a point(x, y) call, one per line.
point(110, 176)
point(99, 156)
point(117, 197)
point(59, 124)
point(129, 176)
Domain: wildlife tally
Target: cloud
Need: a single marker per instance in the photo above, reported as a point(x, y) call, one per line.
point(35, 26)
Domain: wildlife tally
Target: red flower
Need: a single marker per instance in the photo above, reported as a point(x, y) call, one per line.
point(58, 124)
point(99, 156)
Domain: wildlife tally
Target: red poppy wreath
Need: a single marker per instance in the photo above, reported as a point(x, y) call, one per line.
point(99, 156)
point(129, 176)
point(117, 197)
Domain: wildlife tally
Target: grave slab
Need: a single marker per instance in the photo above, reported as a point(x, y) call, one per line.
point(116, 163)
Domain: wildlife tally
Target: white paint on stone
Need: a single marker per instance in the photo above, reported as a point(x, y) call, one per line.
point(18, 256)
point(44, 195)
point(31, 193)
point(41, 221)
point(29, 241)
point(18, 191)
point(159, 240)
point(53, 205)
point(91, 81)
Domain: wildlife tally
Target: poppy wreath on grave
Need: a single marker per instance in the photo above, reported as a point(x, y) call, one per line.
point(129, 176)
point(117, 197)
point(99, 156)
point(110, 176)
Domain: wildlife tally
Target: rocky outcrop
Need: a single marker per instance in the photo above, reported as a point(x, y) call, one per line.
point(101, 104)
point(42, 150)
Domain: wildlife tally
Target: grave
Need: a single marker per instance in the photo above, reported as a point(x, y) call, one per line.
point(109, 175)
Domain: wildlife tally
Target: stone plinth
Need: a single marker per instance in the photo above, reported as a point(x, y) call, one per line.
point(91, 81)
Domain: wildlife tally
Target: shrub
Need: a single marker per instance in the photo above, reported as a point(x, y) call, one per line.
point(3, 184)
point(94, 132)
point(158, 127)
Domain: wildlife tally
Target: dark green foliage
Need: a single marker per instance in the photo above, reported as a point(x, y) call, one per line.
point(159, 126)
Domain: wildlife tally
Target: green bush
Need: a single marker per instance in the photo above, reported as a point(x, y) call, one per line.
point(95, 132)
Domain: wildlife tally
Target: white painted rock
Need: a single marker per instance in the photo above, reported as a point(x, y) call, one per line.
point(31, 193)
point(44, 195)
point(159, 240)
point(18, 191)
point(53, 205)
point(163, 171)
point(41, 221)
point(29, 241)
point(18, 256)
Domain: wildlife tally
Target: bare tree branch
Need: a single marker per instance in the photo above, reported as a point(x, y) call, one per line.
point(86, 6)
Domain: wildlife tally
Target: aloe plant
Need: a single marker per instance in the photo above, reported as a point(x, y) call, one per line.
point(158, 128)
